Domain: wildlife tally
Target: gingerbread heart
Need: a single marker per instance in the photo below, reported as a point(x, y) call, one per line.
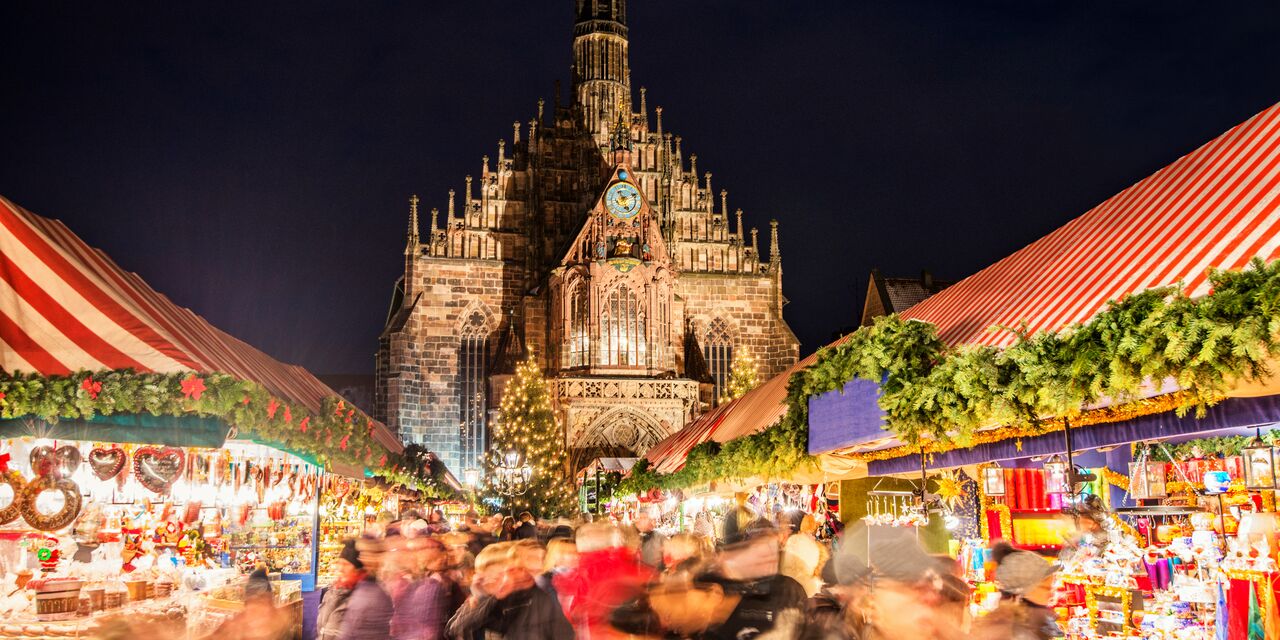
point(46, 460)
point(157, 469)
point(107, 463)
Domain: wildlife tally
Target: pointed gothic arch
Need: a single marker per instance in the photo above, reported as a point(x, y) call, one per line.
point(717, 351)
point(623, 426)
point(475, 325)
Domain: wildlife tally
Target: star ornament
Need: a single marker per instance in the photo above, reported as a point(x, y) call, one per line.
point(950, 488)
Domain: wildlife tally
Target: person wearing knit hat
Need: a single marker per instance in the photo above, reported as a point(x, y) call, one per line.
point(369, 607)
point(1026, 582)
point(333, 601)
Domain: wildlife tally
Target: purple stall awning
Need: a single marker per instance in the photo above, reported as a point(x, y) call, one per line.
point(845, 418)
point(1232, 413)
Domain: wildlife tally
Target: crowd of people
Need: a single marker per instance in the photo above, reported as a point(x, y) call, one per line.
point(754, 578)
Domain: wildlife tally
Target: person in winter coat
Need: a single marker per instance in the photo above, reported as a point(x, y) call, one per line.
point(803, 556)
point(369, 609)
point(835, 612)
point(608, 574)
point(260, 619)
point(333, 602)
point(1026, 585)
point(505, 603)
point(769, 604)
point(527, 529)
point(651, 541)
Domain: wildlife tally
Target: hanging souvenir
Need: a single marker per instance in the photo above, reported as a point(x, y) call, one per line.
point(11, 510)
point(107, 463)
point(157, 469)
point(57, 520)
point(45, 460)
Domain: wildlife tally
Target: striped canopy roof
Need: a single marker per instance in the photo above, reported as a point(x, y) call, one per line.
point(66, 307)
point(753, 412)
point(1215, 207)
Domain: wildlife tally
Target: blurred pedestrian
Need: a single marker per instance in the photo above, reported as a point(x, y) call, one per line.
point(684, 556)
point(333, 601)
point(608, 574)
point(506, 604)
point(836, 612)
point(507, 530)
point(369, 608)
point(651, 540)
point(747, 567)
point(260, 619)
point(1026, 586)
point(907, 597)
point(527, 529)
point(561, 557)
point(803, 556)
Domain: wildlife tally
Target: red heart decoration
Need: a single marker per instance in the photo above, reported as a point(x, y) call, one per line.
point(46, 460)
point(157, 469)
point(107, 463)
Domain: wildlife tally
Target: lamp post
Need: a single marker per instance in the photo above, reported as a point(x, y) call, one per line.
point(471, 477)
point(512, 476)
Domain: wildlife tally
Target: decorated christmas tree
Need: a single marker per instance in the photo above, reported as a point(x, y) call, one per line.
point(743, 375)
point(527, 426)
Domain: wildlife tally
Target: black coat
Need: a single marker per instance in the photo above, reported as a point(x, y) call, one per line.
point(773, 601)
point(531, 614)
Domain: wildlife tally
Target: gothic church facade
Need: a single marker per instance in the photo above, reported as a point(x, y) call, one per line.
point(590, 241)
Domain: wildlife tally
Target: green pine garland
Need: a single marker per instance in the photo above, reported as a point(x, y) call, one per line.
point(337, 433)
point(932, 392)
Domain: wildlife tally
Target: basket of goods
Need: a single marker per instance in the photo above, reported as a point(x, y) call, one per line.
point(137, 589)
point(56, 598)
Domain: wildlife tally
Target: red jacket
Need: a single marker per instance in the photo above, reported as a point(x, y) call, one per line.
point(603, 580)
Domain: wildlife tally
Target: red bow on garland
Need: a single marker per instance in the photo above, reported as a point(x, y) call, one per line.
point(303, 425)
point(272, 407)
point(343, 443)
point(288, 416)
point(4, 463)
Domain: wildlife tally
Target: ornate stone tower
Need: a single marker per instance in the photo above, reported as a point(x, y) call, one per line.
point(589, 240)
point(601, 71)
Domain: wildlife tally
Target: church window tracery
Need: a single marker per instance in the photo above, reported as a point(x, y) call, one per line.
point(579, 328)
point(717, 349)
point(472, 396)
point(624, 329)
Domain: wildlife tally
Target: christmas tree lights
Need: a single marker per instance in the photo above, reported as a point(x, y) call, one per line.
point(527, 424)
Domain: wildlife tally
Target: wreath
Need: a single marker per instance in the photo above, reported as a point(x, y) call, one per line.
point(11, 511)
point(52, 522)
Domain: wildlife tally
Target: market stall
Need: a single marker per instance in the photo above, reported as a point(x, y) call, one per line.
point(149, 460)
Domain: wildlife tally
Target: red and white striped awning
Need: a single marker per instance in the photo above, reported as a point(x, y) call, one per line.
point(66, 307)
point(756, 411)
point(1216, 207)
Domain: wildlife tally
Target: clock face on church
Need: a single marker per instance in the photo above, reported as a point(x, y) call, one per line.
point(622, 200)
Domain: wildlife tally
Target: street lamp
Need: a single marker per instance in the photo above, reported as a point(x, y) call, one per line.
point(511, 476)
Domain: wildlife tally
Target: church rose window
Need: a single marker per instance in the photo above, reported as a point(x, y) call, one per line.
point(717, 349)
point(624, 330)
point(472, 396)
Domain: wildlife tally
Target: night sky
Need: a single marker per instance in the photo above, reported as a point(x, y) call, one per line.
point(252, 160)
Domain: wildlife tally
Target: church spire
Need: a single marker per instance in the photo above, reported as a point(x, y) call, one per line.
point(601, 70)
point(775, 254)
point(411, 247)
